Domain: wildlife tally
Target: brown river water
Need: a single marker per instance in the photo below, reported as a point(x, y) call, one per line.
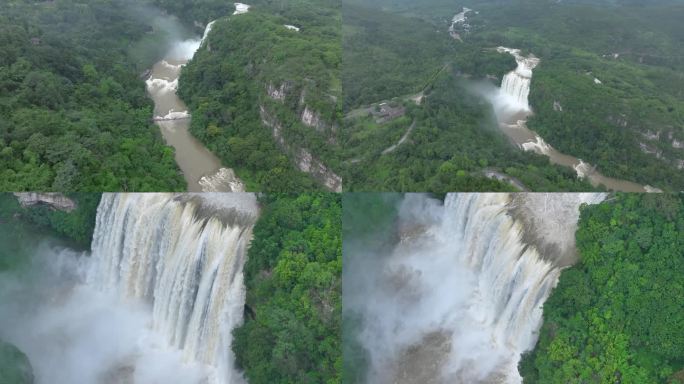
point(202, 170)
point(512, 109)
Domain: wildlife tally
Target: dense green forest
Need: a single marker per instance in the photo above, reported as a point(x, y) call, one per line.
point(226, 87)
point(200, 11)
point(617, 316)
point(292, 329)
point(629, 126)
point(454, 142)
point(77, 226)
point(73, 111)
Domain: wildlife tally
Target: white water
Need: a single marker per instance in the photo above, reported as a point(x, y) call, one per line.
point(511, 105)
point(516, 84)
point(155, 302)
point(458, 19)
point(200, 167)
point(154, 248)
point(241, 8)
point(460, 271)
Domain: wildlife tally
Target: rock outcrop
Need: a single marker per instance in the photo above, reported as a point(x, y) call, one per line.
point(305, 161)
point(55, 201)
point(277, 93)
point(312, 119)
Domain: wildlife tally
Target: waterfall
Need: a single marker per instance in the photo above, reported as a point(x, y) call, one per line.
point(516, 84)
point(161, 249)
point(459, 298)
point(207, 31)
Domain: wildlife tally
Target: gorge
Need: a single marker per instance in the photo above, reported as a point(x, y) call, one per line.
point(512, 110)
point(202, 169)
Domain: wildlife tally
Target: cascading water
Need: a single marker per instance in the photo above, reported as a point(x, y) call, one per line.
point(203, 171)
point(188, 268)
point(460, 296)
point(516, 84)
point(512, 109)
point(155, 302)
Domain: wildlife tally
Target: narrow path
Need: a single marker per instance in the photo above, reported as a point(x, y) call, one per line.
point(496, 175)
point(401, 141)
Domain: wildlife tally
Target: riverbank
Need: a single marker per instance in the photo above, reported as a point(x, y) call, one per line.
point(202, 170)
point(512, 110)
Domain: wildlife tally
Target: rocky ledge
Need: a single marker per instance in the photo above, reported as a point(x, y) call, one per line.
point(53, 200)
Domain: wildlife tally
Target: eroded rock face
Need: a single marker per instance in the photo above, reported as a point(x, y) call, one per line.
point(313, 119)
point(310, 118)
point(278, 93)
point(305, 161)
point(309, 164)
point(550, 222)
point(54, 200)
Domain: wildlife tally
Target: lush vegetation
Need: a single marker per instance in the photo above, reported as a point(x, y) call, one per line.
point(629, 125)
point(74, 115)
point(292, 329)
point(226, 87)
point(199, 11)
point(454, 143)
point(76, 226)
point(618, 315)
point(15, 367)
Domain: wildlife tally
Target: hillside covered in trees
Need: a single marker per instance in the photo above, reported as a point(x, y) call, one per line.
point(293, 273)
point(264, 90)
point(73, 111)
point(628, 124)
point(618, 315)
point(454, 144)
point(75, 115)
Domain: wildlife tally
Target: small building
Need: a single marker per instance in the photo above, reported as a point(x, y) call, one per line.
point(385, 112)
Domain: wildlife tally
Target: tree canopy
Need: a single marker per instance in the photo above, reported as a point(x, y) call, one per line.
point(617, 316)
point(293, 272)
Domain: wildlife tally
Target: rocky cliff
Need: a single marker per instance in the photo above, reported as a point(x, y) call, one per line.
point(53, 200)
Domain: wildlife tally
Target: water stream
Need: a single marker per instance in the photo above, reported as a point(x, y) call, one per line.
point(512, 109)
point(202, 170)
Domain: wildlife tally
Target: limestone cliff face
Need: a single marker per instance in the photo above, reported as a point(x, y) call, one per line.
point(307, 114)
point(53, 200)
point(303, 158)
point(311, 118)
point(277, 93)
point(297, 100)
